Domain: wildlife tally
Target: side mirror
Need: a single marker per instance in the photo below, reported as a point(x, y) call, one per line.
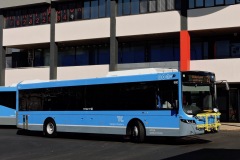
point(227, 86)
point(223, 81)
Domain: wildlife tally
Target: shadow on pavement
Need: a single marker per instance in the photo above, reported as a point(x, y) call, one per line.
point(176, 140)
point(7, 127)
point(219, 154)
point(120, 138)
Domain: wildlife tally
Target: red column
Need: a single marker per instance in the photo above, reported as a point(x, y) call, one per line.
point(184, 50)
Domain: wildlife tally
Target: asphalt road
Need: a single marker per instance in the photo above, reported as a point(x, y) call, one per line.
point(33, 146)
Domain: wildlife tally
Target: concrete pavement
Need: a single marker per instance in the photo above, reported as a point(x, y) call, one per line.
point(229, 126)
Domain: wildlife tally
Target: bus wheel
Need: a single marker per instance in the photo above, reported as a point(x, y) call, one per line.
point(137, 132)
point(50, 128)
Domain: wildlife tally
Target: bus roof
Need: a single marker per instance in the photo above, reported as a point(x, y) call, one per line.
point(136, 75)
point(140, 71)
point(8, 88)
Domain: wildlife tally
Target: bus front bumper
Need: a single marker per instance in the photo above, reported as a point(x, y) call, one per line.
point(211, 121)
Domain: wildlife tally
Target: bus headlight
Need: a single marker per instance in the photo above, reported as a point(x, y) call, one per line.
point(215, 110)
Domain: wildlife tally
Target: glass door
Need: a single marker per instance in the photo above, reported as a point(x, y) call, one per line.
point(233, 105)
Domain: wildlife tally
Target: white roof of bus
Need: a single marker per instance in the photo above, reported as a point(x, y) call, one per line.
point(117, 73)
point(13, 85)
point(140, 71)
point(35, 81)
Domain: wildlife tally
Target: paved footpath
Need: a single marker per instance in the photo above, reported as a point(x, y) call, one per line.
point(229, 126)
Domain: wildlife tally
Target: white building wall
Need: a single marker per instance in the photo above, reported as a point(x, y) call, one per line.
point(224, 69)
point(81, 30)
point(161, 22)
point(17, 3)
point(26, 35)
point(214, 17)
point(69, 31)
point(14, 76)
point(79, 72)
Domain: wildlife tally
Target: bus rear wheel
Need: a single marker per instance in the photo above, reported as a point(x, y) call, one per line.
point(50, 128)
point(137, 132)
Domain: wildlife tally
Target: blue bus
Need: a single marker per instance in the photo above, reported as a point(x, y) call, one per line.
point(8, 97)
point(136, 103)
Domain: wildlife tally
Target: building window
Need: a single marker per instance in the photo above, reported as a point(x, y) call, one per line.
point(41, 57)
point(215, 49)
point(131, 7)
point(131, 53)
point(87, 9)
point(222, 49)
point(67, 56)
point(102, 8)
point(27, 16)
point(199, 3)
point(66, 11)
point(191, 4)
point(17, 18)
point(161, 5)
point(79, 11)
point(152, 6)
point(30, 16)
point(219, 2)
point(210, 3)
point(126, 7)
point(72, 11)
point(235, 49)
point(170, 4)
point(103, 54)
point(230, 2)
point(84, 55)
point(62, 13)
point(199, 50)
point(135, 6)
point(94, 9)
point(162, 52)
point(143, 6)
point(147, 51)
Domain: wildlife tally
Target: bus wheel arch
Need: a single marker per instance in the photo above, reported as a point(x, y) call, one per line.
point(49, 127)
point(136, 130)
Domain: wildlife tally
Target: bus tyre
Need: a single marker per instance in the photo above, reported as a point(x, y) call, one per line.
point(50, 128)
point(137, 132)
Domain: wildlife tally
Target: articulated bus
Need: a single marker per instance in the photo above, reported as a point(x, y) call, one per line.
point(8, 96)
point(136, 103)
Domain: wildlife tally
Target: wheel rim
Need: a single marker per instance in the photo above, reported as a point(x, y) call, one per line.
point(50, 128)
point(135, 131)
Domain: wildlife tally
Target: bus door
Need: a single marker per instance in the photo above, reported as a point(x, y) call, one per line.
point(25, 121)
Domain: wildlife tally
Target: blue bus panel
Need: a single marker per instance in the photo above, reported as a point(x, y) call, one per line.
point(138, 105)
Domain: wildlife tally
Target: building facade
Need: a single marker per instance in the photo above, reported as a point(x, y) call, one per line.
point(63, 39)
